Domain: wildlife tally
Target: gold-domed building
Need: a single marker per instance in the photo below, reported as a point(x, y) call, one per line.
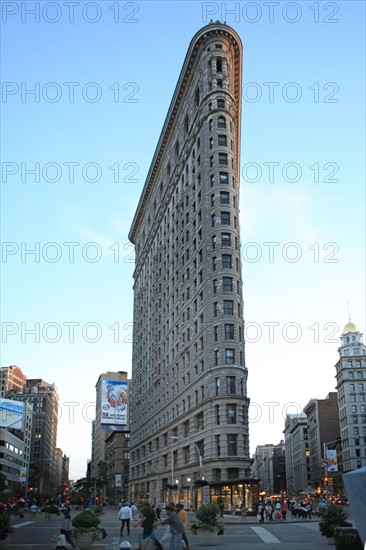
point(351, 386)
point(350, 327)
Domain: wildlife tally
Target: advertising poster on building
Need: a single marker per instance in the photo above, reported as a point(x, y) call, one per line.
point(23, 475)
point(11, 414)
point(118, 480)
point(331, 456)
point(114, 405)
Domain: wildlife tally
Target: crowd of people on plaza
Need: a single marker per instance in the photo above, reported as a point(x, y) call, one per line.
point(269, 510)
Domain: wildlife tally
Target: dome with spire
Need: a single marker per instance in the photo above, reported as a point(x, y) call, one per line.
point(350, 327)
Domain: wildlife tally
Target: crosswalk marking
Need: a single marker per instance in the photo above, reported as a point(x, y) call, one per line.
point(265, 535)
point(313, 526)
point(22, 524)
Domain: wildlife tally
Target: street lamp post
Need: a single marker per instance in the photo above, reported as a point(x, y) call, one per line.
point(200, 459)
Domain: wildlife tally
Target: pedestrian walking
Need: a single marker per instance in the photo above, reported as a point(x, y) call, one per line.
point(66, 529)
point(268, 511)
point(147, 522)
point(284, 509)
point(182, 514)
point(176, 527)
point(125, 516)
point(61, 542)
point(308, 510)
point(260, 513)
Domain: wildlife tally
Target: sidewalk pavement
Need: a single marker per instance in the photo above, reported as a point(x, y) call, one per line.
point(111, 523)
point(229, 519)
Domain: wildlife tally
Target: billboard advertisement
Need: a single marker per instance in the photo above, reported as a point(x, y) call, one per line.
point(331, 457)
point(23, 474)
point(114, 405)
point(118, 480)
point(11, 414)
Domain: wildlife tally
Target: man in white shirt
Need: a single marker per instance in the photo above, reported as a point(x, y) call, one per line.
point(125, 515)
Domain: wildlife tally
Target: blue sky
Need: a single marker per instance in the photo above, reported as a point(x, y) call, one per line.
point(303, 117)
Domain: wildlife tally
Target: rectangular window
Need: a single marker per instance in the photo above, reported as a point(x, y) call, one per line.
point(223, 159)
point(229, 331)
point(213, 199)
point(217, 386)
point(229, 357)
point(217, 441)
point(225, 218)
point(230, 385)
point(221, 122)
point(216, 309)
point(223, 178)
point(212, 179)
point(231, 413)
point(227, 284)
point(220, 103)
point(232, 447)
point(224, 197)
point(215, 286)
point(217, 415)
point(216, 333)
point(228, 307)
point(199, 421)
point(214, 263)
point(186, 429)
point(216, 357)
point(210, 142)
point(211, 161)
point(222, 140)
point(225, 239)
point(186, 455)
point(226, 261)
point(213, 220)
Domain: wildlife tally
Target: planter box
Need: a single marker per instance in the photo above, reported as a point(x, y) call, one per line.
point(84, 540)
point(347, 538)
point(206, 538)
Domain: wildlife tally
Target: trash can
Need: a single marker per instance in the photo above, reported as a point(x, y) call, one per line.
point(347, 538)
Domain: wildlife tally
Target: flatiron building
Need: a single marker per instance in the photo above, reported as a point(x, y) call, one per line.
point(189, 404)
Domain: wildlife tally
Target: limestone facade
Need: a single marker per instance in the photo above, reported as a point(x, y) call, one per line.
point(189, 404)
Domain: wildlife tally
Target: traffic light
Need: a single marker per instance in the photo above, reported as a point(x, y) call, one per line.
point(319, 490)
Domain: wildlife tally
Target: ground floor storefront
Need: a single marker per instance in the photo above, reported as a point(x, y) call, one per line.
point(231, 495)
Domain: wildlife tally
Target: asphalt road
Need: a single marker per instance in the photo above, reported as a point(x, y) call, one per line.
point(40, 534)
